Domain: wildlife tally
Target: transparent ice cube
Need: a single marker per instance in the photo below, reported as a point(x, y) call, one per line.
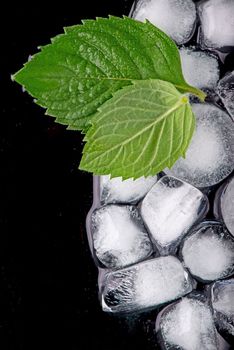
point(224, 204)
point(217, 23)
point(208, 252)
point(209, 158)
point(200, 68)
point(225, 90)
point(227, 206)
point(169, 210)
point(222, 296)
point(119, 236)
point(177, 18)
point(187, 324)
point(145, 285)
point(128, 191)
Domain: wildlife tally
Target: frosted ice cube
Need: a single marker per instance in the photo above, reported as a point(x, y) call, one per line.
point(145, 285)
point(209, 158)
point(217, 23)
point(119, 236)
point(200, 68)
point(225, 90)
point(177, 18)
point(187, 324)
point(222, 296)
point(208, 252)
point(128, 191)
point(169, 210)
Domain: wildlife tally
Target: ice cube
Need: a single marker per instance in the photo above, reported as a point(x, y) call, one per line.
point(128, 191)
point(145, 285)
point(187, 324)
point(169, 210)
point(227, 206)
point(177, 18)
point(222, 296)
point(119, 236)
point(225, 90)
point(217, 24)
point(200, 68)
point(209, 158)
point(208, 252)
point(224, 204)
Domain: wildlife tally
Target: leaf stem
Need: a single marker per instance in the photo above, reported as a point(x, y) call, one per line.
point(197, 92)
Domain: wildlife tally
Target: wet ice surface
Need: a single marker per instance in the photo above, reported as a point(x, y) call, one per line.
point(217, 23)
point(227, 206)
point(209, 158)
point(119, 236)
point(222, 296)
point(169, 209)
point(128, 191)
point(145, 285)
point(208, 252)
point(177, 18)
point(188, 325)
point(225, 90)
point(200, 68)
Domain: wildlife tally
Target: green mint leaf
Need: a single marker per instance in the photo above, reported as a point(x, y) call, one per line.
point(143, 129)
point(81, 69)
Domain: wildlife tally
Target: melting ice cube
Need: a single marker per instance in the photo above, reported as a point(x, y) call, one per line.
point(177, 18)
point(217, 23)
point(145, 285)
point(188, 325)
point(200, 68)
point(227, 206)
point(208, 252)
point(225, 90)
point(222, 296)
point(224, 204)
point(209, 158)
point(170, 209)
point(128, 191)
point(119, 236)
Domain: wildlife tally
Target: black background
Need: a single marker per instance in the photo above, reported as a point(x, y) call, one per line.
point(48, 281)
point(48, 289)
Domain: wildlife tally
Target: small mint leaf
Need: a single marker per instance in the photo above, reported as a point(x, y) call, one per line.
point(81, 69)
point(143, 129)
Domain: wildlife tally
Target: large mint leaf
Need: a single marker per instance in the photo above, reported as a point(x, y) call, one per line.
point(143, 129)
point(81, 69)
